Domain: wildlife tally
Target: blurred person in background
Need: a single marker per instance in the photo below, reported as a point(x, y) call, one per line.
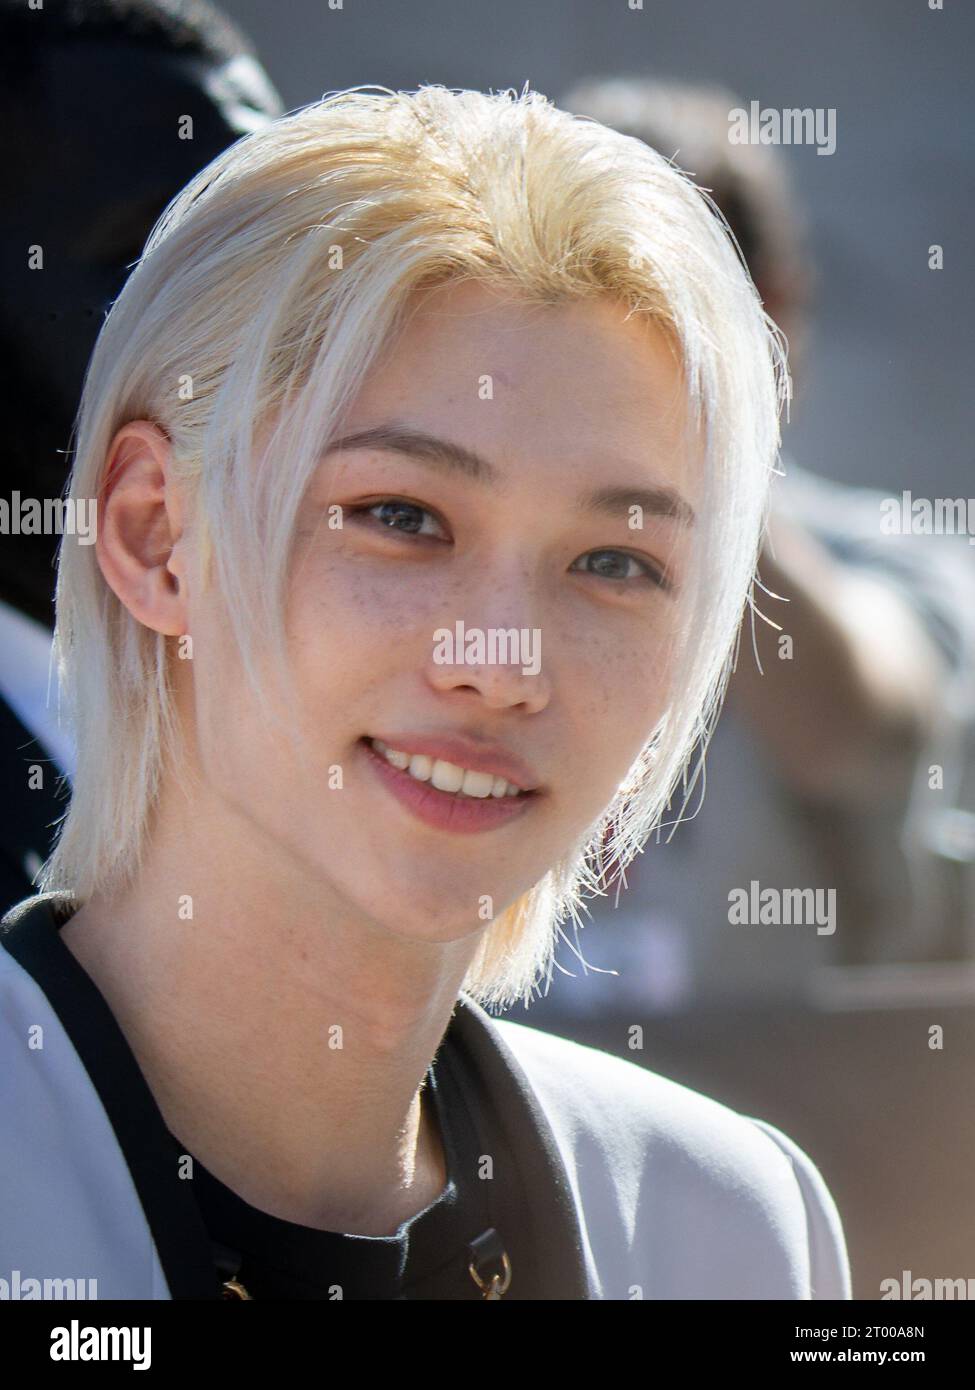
point(817, 774)
point(108, 109)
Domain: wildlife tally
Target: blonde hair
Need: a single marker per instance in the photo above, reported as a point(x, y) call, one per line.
point(271, 281)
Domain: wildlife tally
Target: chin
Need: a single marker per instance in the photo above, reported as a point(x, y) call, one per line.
point(412, 922)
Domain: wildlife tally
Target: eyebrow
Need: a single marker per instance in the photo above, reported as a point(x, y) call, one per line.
point(447, 457)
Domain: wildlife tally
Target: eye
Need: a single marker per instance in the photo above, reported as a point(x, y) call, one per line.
point(396, 514)
point(614, 565)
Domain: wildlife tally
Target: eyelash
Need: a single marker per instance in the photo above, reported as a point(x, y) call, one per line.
point(650, 573)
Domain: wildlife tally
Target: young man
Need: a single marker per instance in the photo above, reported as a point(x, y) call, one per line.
point(403, 373)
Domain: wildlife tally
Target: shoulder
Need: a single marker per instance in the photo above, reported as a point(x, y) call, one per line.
point(707, 1202)
point(54, 1113)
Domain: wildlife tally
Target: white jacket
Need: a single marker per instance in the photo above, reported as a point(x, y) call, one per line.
point(654, 1190)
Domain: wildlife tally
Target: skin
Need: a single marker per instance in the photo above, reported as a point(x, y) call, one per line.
point(228, 1014)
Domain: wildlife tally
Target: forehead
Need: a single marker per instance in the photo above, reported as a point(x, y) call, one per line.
point(571, 382)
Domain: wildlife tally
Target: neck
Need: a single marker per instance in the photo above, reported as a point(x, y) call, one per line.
point(285, 1037)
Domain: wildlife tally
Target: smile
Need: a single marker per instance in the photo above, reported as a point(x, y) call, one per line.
point(445, 776)
point(444, 795)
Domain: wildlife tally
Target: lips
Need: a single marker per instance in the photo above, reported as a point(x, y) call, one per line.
point(446, 811)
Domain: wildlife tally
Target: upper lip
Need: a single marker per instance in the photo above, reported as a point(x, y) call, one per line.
point(475, 755)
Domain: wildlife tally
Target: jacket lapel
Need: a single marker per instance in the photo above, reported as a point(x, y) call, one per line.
point(558, 1235)
point(27, 815)
point(30, 935)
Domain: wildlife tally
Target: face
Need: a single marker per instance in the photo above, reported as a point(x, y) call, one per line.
point(559, 420)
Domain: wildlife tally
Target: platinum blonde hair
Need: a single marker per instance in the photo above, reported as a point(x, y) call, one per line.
point(271, 281)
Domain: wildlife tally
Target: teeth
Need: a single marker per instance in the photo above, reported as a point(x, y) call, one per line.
point(446, 777)
point(477, 784)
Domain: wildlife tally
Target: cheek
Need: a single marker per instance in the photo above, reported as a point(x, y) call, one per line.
point(233, 740)
point(224, 717)
point(345, 609)
point(619, 693)
point(626, 670)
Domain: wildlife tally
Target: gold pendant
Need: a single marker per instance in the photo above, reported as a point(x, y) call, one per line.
point(233, 1288)
point(495, 1289)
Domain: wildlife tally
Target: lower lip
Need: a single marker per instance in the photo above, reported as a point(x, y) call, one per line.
point(463, 815)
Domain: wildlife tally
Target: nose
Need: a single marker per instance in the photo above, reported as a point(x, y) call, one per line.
point(503, 667)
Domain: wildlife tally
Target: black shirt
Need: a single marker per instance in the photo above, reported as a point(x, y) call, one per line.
point(427, 1257)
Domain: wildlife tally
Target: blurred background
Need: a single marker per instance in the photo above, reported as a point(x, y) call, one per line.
point(895, 340)
point(847, 766)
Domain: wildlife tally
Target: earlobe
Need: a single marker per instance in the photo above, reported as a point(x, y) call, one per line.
point(140, 525)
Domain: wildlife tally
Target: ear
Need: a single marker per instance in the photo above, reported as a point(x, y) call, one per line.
point(140, 526)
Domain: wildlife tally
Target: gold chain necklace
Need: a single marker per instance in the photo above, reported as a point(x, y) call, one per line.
point(496, 1287)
